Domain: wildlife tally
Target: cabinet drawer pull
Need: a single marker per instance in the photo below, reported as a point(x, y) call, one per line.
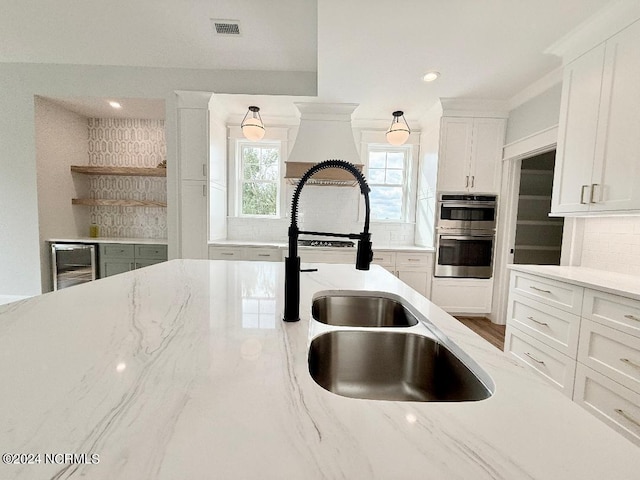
point(466, 183)
point(624, 414)
point(534, 358)
point(630, 362)
point(413, 259)
point(582, 202)
point(378, 259)
point(632, 317)
point(204, 169)
point(227, 254)
point(473, 180)
point(538, 321)
point(539, 289)
point(593, 191)
point(264, 255)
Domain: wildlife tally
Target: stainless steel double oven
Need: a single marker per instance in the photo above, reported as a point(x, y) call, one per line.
point(465, 235)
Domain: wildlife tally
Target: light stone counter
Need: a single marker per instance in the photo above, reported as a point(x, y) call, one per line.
point(139, 241)
point(611, 282)
point(184, 370)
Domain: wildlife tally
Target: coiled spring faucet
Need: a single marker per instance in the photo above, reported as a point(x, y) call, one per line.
point(364, 254)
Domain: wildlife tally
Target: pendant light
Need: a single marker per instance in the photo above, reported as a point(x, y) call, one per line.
point(252, 127)
point(399, 131)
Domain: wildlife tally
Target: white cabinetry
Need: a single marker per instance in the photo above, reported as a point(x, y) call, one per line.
point(413, 268)
point(251, 253)
point(193, 158)
point(584, 341)
point(462, 295)
point(470, 154)
point(597, 161)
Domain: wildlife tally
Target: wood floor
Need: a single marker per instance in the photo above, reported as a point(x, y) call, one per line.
point(491, 332)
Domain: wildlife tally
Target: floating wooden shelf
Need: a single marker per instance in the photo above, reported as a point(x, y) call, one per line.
point(122, 171)
point(116, 203)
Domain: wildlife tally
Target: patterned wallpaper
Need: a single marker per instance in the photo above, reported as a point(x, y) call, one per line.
point(126, 142)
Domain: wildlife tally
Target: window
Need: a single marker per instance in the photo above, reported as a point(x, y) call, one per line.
point(387, 172)
point(259, 169)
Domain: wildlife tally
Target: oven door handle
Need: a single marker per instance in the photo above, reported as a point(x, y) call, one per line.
point(468, 205)
point(465, 237)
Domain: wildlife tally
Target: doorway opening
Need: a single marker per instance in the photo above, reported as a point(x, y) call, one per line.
point(538, 237)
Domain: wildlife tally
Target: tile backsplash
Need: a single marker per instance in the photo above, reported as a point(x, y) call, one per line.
point(612, 244)
point(126, 142)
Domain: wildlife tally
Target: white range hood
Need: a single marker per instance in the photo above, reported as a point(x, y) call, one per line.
point(325, 133)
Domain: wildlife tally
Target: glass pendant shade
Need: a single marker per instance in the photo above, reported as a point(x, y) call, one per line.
point(252, 126)
point(399, 131)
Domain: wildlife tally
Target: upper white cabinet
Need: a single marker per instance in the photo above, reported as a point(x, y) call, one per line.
point(597, 162)
point(470, 154)
point(193, 147)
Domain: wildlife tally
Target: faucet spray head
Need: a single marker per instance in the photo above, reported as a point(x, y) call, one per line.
point(364, 255)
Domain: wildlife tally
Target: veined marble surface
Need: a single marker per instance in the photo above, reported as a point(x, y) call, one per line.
point(184, 370)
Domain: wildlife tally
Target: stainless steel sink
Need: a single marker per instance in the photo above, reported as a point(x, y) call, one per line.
point(361, 311)
point(387, 365)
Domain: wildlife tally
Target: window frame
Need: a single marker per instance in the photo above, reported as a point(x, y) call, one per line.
point(265, 143)
point(279, 135)
point(408, 181)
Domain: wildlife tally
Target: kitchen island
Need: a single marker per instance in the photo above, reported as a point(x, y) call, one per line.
point(185, 370)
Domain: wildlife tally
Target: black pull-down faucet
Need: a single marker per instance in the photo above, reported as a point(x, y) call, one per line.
point(364, 254)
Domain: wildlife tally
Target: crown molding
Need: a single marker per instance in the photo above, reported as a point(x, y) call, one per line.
point(595, 30)
point(474, 107)
point(536, 88)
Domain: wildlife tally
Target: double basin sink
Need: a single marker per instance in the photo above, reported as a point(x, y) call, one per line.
point(385, 350)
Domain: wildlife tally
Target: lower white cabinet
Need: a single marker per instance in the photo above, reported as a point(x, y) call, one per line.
point(556, 367)
point(263, 254)
point(584, 341)
point(462, 295)
point(617, 406)
point(413, 268)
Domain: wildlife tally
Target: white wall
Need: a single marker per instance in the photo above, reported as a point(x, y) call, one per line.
point(534, 115)
point(61, 141)
point(19, 83)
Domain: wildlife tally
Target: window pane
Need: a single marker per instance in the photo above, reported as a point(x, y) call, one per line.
point(376, 175)
point(269, 161)
point(394, 177)
point(259, 198)
point(395, 160)
point(260, 163)
point(386, 203)
point(377, 159)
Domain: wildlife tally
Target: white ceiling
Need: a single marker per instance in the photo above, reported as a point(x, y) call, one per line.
point(369, 52)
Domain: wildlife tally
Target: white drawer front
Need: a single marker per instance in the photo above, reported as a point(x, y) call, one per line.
point(612, 403)
point(414, 259)
point(386, 259)
point(554, 327)
point(226, 253)
point(556, 367)
point(263, 254)
point(611, 352)
point(612, 310)
point(551, 292)
point(336, 255)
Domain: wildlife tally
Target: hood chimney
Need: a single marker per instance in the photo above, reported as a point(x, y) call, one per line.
point(325, 133)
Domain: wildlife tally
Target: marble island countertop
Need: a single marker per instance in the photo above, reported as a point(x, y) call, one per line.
point(185, 370)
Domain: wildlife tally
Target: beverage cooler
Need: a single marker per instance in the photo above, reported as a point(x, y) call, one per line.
point(72, 264)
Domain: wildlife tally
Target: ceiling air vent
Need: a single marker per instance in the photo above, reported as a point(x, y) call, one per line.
point(226, 27)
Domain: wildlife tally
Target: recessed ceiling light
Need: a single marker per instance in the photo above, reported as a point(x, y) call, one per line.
point(115, 105)
point(430, 76)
